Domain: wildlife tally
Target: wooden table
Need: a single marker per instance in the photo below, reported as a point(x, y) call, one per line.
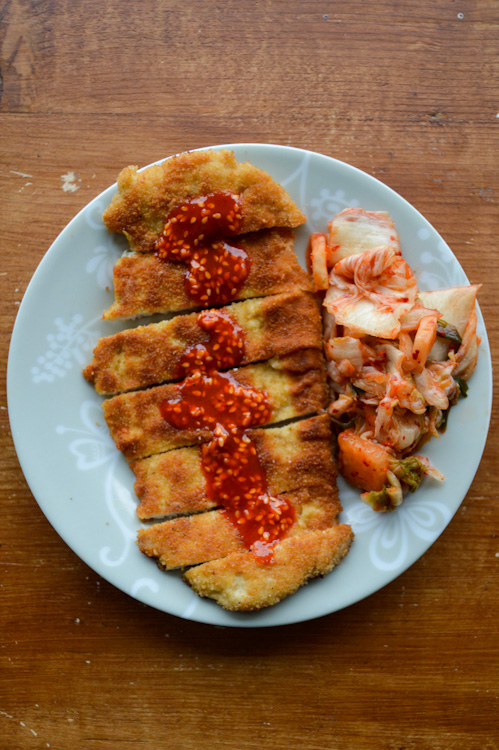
point(406, 92)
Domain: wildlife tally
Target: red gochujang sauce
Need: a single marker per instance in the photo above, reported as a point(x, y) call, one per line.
point(234, 475)
point(224, 349)
point(193, 234)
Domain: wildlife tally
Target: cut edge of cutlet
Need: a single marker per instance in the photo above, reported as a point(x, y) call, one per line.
point(190, 540)
point(295, 383)
point(145, 285)
point(238, 582)
point(295, 455)
point(146, 197)
point(151, 354)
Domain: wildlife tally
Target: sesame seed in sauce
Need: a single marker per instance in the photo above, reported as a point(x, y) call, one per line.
point(217, 215)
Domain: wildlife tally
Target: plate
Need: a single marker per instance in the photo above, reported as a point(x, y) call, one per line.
point(84, 486)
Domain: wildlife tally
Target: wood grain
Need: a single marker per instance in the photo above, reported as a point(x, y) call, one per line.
point(404, 91)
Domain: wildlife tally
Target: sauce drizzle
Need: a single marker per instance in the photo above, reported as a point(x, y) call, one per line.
point(193, 234)
point(224, 349)
point(234, 475)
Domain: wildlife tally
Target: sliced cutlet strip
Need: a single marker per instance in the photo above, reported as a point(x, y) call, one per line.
point(195, 539)
point(295, 386)
point(151, 354)
point(146, 198)
point(239, 582)
point(144, 284)
point(293, 456)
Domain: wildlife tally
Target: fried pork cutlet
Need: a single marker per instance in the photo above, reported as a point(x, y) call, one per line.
point(144, 284)
point(145, 199)
point(202, 451)
point(240, 582)
point(294, 456)
point(148, 355)
point(295, 385)
point(190, 540)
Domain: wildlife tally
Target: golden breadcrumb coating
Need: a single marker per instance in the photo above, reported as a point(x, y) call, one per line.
point(295, 385)
point(145, 199)
point(190, 540)
point(294, 456)
point(144, 284)
point(239, 582)
point(281, 325)
point(149, 355)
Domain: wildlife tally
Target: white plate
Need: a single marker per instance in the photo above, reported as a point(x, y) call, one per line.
point(83, 485)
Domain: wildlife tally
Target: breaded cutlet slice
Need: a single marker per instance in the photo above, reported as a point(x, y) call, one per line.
point(239, 582)
point(145, 199)
point(294, 456)
point(144, 284)
point(190, 540)
point(295, 386)
point(151, 354)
